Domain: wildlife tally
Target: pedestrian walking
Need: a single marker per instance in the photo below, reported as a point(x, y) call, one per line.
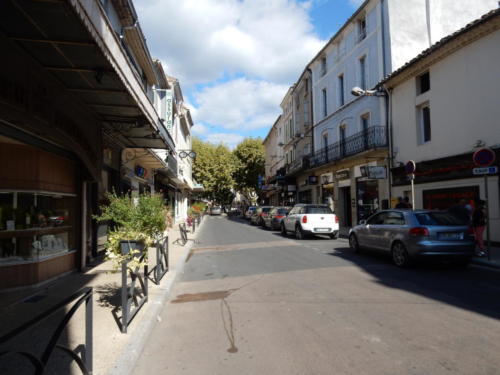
point(479, 225)
point(401, 203)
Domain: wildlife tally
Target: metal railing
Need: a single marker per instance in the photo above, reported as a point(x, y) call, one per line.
point(40, 363)
point(372, 138)
point(161, 266)
point(132, 297)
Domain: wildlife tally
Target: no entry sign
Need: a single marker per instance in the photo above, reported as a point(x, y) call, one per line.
point(484, 157)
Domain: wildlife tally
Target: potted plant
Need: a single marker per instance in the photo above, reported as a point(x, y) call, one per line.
point(137, 224)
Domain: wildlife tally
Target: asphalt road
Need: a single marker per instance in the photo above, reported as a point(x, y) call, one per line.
point(253, 302)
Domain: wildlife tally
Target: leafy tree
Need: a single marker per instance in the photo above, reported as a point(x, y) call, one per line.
point(214, 168)
point(250, 159)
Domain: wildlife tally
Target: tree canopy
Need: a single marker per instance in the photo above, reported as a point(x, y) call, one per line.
point(214, 168)
point(222, 172)
point(249, 165)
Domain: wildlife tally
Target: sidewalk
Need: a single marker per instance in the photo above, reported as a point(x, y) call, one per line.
point(113, 352)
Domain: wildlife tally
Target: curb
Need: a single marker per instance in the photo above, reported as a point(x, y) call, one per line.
point(485, 263)
point(125, 363)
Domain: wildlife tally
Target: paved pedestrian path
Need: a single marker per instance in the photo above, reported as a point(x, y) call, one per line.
point(110, 344)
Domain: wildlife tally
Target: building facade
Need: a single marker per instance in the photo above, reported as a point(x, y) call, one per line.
point(444, 109)
point(76, 101)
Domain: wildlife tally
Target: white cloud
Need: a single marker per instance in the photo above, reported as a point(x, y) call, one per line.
point(228, 139)
point(203, 40)
point(241, 104)
point(199, 129)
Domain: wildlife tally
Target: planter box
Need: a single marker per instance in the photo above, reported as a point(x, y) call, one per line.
point(127, 245)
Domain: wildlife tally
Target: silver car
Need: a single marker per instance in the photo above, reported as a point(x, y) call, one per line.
point(215, 210)
point(408, 235)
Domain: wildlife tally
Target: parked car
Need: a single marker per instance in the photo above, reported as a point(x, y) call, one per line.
point(304, 219)
point(215, 210)
point(250, 210)
point(275, 217)
point(408, 235)
point(259, 214)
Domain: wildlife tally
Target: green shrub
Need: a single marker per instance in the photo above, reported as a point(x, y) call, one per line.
point(143, 219)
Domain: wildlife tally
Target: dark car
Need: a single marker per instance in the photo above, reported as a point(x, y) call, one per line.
point(407, 235)
point(259, 214)
point(275, 217)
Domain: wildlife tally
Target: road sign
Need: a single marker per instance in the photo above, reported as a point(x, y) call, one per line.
point(410, 167)
point(485, 170)
point(484, 157)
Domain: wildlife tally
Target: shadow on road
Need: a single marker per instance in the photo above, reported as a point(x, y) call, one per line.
point(475, 289)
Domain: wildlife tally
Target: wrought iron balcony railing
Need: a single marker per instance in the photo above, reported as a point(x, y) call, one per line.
point(371, 138)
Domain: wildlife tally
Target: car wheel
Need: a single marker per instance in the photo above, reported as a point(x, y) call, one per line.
point(299, 234)
point(333, 236)
point(283, 230)
point(400, 255)
point(353, 243)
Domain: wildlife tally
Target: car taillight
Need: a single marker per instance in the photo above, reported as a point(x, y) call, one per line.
point(419, 231)
point(304, 219)
point(470, 231)
point(279, 216)
point(336, 219)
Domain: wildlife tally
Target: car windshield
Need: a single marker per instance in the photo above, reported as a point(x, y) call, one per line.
point(283, 211)
point(438, 218)
point(317, 210)
point(266, 209)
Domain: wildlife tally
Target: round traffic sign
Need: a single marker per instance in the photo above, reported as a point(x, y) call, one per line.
point(484, 157)
point(410, 167)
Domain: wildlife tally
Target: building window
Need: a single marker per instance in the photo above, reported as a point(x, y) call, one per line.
point(341, 90)
point(325, 140)
point(323, 66)
point(423, 83)
point(325, 109)
point(424, 119)
point(307, 149)
point(342, 131)
point(361, 29)
point(362, 72)
point(290, 124)
point(365, 122)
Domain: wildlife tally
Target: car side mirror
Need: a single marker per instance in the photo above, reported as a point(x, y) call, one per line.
point(362, 222)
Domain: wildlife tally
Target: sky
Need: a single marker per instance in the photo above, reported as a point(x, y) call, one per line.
point(235, 59)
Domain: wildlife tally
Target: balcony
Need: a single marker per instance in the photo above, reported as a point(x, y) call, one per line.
point(372, 138)
point(298, 165)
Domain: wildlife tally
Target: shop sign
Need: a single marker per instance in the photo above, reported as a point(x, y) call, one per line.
point(291, 188)
point(169, 112)
point(373, 172)
point(485, 170)
point(313, 180)
point(326, 178)
point(141, 172)
point(342, 175)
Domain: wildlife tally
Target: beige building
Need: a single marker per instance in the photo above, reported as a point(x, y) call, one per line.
point(444, 108)
point(273, 163)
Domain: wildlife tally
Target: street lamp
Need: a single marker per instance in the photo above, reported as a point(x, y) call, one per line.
point(382, 92)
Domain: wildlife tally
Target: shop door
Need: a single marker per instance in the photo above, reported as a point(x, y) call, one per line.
point(345, 193)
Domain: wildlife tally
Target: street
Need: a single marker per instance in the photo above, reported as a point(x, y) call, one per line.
point(253, 302)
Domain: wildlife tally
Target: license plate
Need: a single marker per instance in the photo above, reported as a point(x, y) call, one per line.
point(451, 236)
point(322, 229)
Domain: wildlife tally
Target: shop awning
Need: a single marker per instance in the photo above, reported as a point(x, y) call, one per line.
point(79, 48)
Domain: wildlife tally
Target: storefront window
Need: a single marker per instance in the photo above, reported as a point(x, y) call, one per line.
point(367, 198)
point(35, 225)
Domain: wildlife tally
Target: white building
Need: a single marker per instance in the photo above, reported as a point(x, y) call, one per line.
point(350, 133)
point(445, 106)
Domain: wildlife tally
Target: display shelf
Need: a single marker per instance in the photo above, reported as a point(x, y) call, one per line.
point(31, 232)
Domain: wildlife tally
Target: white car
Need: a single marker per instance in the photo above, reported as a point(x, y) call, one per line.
point(306, 219)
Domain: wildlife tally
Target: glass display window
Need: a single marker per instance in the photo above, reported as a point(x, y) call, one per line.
point(35, 225)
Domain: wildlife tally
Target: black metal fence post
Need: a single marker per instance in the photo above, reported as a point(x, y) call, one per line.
point(40, 361)
point(124, 297)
